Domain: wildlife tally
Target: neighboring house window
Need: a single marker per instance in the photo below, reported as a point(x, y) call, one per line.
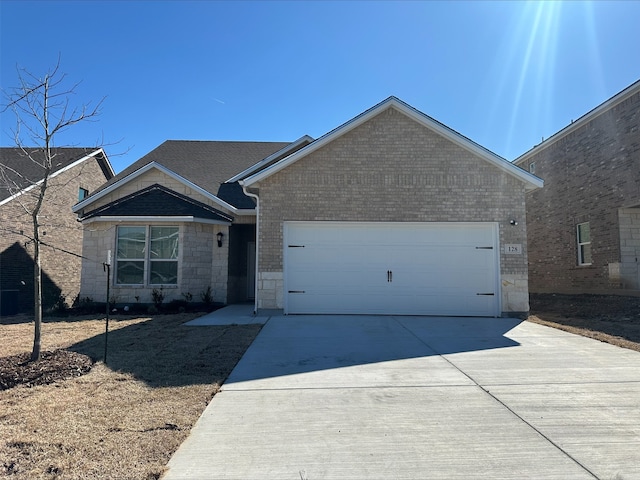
point(532, 167)
point(82, 193)
point(584, 244)
point(149, 253)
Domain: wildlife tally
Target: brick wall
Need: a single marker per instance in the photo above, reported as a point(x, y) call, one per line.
point(589, 174)
point(391, 169)
point(60, 229)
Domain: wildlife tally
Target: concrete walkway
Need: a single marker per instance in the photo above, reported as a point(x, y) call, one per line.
point(369, 397)
point(241, 314)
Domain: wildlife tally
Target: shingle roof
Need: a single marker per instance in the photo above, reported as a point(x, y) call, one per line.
point(232, 193)
point(205, 163)
point(158, 200)
point(13, 159)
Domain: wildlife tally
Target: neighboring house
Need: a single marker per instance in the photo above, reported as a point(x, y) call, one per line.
point(76, 173)
point(390, 213)
point(584, 226)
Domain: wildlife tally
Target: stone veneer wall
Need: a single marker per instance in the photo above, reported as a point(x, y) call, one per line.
point(391, 169)
point(589, 173)
point(201, 263)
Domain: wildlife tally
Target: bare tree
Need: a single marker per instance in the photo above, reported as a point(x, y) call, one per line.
point(43, 110)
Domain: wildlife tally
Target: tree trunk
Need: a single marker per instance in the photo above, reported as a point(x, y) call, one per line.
point(37, 291)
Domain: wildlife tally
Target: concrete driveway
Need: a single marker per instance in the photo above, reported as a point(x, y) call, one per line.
point(370, 397)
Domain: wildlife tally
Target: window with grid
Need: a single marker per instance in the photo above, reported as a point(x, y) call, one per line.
point(147, 255)
point(584, 243)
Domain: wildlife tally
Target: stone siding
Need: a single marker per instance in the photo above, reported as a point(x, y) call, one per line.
point(201, 263)
point(61, 257)
point(590, 174)
point(391, 169)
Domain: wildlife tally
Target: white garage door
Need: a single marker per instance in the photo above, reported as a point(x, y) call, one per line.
point(391, 268)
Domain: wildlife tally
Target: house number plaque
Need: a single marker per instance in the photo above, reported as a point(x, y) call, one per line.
point(513, 249)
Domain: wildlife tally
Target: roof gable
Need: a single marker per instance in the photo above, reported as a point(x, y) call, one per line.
point(206, 164)
point(79, 207)
point(531, 181)
point(607, 105)
point(18, 168)
point(159, 201)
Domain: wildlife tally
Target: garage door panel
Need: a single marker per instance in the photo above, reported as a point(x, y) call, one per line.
point(399, 268)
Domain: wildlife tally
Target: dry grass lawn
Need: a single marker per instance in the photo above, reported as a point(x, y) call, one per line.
point(125, 419)
point(122, 420)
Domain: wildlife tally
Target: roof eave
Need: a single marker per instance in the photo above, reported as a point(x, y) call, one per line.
point(133, 175)
point(258, 165)
point(93, 154)
point(580, 122)
point(154, 218)
point(532, 182)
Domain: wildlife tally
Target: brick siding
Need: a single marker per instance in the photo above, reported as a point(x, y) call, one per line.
point(60, 229)
point(391, 169)
point(589, 173)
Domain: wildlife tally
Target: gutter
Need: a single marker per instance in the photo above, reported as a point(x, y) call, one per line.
point(257, 199)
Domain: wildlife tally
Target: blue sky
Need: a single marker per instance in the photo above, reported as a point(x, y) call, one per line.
point(504, 74)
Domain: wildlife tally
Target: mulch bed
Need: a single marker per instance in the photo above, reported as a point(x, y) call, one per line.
point(612, 307)
point(51, 367)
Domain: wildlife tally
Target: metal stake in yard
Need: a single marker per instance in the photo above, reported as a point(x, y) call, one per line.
point(106, 266)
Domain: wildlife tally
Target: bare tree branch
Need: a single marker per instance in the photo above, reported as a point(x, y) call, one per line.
point(43, 110)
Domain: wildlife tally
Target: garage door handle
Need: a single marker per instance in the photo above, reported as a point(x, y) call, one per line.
point(484, 248)
point(296, 291)
point(486, 294)
point(389, 276)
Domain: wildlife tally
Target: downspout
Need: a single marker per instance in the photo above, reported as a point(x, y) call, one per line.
point(255, 286)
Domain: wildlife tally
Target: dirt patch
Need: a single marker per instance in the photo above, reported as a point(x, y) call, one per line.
point(51, 367)
point(613, 319)
point(123, 419)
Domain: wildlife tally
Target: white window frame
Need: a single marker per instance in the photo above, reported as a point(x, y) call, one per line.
point(147, 260)
point(581, 244)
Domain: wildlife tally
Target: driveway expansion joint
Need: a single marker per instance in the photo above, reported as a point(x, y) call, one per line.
point(496, 399)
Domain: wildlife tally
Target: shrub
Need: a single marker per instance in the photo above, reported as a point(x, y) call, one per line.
point(207, 296)
point(158, 298)
point(60, 306)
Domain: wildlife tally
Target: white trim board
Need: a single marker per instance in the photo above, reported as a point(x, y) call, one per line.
point(531, 181)
point(154, 165)
point(58, 172)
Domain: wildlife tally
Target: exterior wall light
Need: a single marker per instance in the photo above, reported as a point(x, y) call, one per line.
point(219, 236)
point(512, 222)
